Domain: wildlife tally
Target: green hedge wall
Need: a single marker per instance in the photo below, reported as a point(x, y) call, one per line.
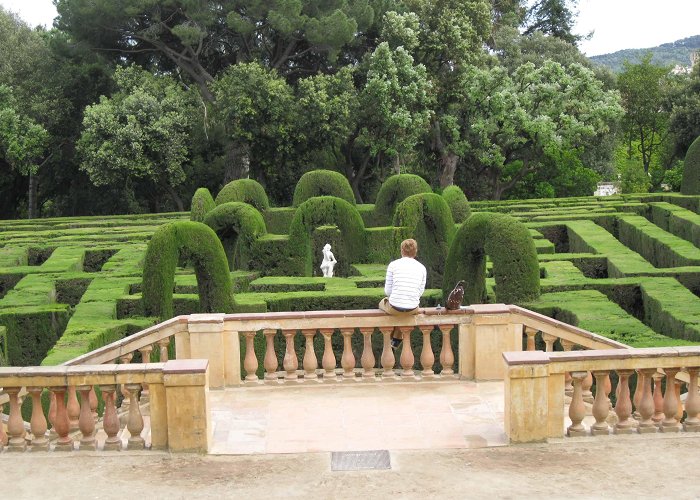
point(237, 225)
point(322, 183)
point(394, 190)
point(244, 190)
point(509, 245)
point(430, 220)
point(202, 204)
point(279, 219)
point(321, 211)
point(203, 249)
point(458, 203)
point(690, 184)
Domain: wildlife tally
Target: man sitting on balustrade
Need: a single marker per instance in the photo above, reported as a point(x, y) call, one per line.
point(404, 285)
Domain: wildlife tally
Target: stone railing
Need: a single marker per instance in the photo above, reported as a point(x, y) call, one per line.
point(171, 385)
point(535, 392)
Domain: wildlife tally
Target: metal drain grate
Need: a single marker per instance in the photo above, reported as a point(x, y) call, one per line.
point(360, 460)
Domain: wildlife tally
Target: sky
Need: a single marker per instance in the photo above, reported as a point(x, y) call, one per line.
point(617, 24)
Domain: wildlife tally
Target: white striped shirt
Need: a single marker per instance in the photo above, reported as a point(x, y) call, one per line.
point(405, 282)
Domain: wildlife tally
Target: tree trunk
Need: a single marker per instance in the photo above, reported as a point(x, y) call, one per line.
point(397, 164)
point(176, 198)
point(32, 195)
point(237, 162)
point(448, 161)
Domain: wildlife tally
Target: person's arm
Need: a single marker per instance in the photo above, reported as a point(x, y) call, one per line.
point(389, 281)
point(421, 288)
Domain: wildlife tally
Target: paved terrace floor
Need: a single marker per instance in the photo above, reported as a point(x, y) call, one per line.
point(355, 416)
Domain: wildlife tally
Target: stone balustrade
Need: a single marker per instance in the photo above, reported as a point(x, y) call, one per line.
point(73, 416)
point(535, 392)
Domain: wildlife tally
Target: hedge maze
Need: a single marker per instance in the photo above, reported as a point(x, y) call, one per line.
point(625, 267)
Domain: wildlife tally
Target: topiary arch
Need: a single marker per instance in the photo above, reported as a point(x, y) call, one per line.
point(394, 190)
point(322, 183)
point(458, 203)
point(203, 249)
point(509, 245)
point(202, 204)
point(245, 190)
point(237, 225)
point(690, 184)
point(430, 221)
point(320, 211)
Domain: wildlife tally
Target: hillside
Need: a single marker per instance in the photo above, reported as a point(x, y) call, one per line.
point(667, 54)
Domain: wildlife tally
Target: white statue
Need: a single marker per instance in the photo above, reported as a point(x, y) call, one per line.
point(328, 261)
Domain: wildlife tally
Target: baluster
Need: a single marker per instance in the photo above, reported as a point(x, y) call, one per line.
point(15, 424)
point(3, 435)
point(601, 405)
point(93, 403)
point(586, 388)
point(567, 345)
point(146, 358)
point(692, 402)
point(163, 345)
point(645, 406)
point(388, 358)
point(577, 410)
point(531, 333)
point(270, 362)
point(427, 358)
point(52, 415)
point(328, 360)
point(658, 416)
point(347, 361)
point(549, 340)
point(290, 362)
point(38, 423)
point(110, 420)
point(367, 360)
point(623, 407)
point(125, 360)
point(679, 412)
point(670, 424)
point(407, 359)
point(73, 408)
point(310, 361)
point(86, 422)
point(61, 422)
point(447, 357)
point(637, 399)
point(250, 363)
point(135, 422)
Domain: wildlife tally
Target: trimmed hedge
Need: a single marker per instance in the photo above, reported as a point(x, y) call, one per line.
point(321, 211)
point(245, 190)
point(430, 220)
point(512, 250)
point(202, 204)
point(458, 203)
point(322, 183)
point(394, 190)
point(690, 184)
point(202, 247)
point(237, 225)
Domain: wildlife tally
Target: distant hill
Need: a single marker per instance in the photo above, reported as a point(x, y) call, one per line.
point(667, 54)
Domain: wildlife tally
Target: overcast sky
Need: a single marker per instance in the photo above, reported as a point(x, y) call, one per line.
point(617, 24)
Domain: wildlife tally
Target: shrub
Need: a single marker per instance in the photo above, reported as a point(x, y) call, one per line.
point(509, 245)
point(394, 190)
point(202, 204)
point(244, 190)
point(199, 243)
point(321, 211)
point(458, 203)
point(322, 183)
point(691, 169)
point(430, 220)
point(237, 225)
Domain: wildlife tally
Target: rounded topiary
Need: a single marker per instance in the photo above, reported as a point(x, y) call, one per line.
point(458, 203)
point(394, 190)
point(509, 245)
point(430, 221)
point(691, 169)
point(244, 190)
point(237, 225)
point(204, 250)
point(202, 204)
point(322, 183)
point(325, 211)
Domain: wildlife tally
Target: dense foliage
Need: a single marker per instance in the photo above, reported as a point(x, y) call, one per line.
point(202, 204)
point(393, 191)
point(322, 183)
point(237, 225)
point(244, 190)
point(691, 169)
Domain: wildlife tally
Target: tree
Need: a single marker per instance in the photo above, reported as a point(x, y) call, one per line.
point(537, 115)
point(555, 18)
point(684, 104)
point(642, 87)
point(140, 133)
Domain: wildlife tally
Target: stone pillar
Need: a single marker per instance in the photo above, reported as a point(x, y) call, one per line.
point(623, 406)
point(601, 406)
point(290, 363)
point(62, 424)
point(494, 334)
point(73, 408)
point(388, 358)
point(347, 360)
point(328, 360)
point(207, 342)
point(187, 402)
point(407, 358)
point(271, 363)
point(577, 410)
point(367, 360)
point(86, 422)
point(670, 424)
point(110, 420)
point(531, 333)
point(38, 424)
point(645, 406)
point(427, 358)
point(447, 357)
point(250, 363)
point(658, 416)
point(310, 360)
point(15, 424)
point(163, 345)
point(549, 340)
point(135, 422)
point(692, 402)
